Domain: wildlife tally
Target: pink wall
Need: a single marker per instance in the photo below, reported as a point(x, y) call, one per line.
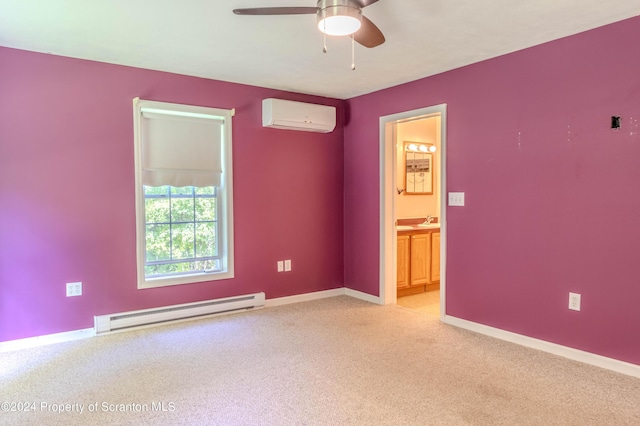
point(552, 201)
point(67, 193)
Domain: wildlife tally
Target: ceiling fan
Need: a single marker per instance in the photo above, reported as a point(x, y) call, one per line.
point(335, 17)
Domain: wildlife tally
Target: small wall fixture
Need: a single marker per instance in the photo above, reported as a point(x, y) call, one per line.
point(615, 122)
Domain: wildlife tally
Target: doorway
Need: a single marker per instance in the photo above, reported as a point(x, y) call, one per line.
point(389, 184)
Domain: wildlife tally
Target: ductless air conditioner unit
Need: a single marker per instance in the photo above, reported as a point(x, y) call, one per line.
point(291, 115)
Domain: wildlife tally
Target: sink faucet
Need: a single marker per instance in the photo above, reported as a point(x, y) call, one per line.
point(428, 219)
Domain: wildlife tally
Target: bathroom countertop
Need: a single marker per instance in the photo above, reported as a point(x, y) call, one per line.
point(420, 227)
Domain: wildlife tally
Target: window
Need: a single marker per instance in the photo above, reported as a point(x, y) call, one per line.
point(184, 210)
point(181, 227)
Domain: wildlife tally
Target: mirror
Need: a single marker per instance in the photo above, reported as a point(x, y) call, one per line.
point(418, 168)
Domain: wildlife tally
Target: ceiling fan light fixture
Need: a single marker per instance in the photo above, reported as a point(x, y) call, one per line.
point(339, 18)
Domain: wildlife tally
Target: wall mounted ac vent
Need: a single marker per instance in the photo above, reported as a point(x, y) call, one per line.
point(290, 115)
point(147, 317)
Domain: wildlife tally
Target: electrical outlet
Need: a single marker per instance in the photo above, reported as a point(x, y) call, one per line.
point(574, 301)
point(287, 265)
point(74, 289)
point(280, 266)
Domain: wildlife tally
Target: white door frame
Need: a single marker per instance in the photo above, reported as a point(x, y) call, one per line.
point(388, 185)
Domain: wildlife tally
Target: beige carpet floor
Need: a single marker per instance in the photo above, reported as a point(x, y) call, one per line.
point(337, 361)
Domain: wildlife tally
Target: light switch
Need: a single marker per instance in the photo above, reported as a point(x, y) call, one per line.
point(456, 198)
point(287, 265)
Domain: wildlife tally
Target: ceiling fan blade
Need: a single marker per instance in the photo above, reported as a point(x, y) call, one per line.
point(369, 35)
point(365, 3)
point(276, 11)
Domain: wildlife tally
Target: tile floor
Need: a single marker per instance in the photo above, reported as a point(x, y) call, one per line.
point(428, 302)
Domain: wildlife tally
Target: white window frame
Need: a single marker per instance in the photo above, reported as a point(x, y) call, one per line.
point(224, 199)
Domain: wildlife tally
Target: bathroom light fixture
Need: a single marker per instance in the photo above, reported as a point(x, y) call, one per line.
point(339, 17)
point(426, 148)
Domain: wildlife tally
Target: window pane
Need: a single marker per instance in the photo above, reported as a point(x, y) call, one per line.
point(206, 239)
point(181, 224)
point(183, 267)
point(156, 210)
point(182, 241)
point(156, 190)
point(209, 265)
point(158, 242)
point(183, 190)
point(168, 268)
point(207, 190)
point(182, 210)
point(205, 209)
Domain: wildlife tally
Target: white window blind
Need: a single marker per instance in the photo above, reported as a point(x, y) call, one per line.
point(181, 149)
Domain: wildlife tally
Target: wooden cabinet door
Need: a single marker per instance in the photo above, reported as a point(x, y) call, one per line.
point(435, 256)
point(420, 259)
point(403, 261)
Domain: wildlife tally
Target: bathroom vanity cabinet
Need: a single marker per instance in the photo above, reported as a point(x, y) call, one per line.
point(418, 261)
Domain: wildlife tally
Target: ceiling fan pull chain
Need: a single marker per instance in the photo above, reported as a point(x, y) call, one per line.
point(353, 53)
point(324, 43)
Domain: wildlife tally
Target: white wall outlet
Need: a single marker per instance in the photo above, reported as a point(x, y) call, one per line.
point(74, 289)
point(280, 266)
point(456, 198)
point(287, 265)
point(574, 301)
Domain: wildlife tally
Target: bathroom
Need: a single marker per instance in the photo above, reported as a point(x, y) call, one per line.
point(417, 207)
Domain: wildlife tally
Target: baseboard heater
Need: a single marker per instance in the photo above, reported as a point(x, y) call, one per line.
point(148, 317)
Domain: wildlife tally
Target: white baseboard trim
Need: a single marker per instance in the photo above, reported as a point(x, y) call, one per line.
point(362, 296)
point(553, 348)
point(32, 342)
point(306, 297)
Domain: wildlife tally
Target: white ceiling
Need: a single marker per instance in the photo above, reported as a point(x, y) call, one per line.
point(204, 38)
